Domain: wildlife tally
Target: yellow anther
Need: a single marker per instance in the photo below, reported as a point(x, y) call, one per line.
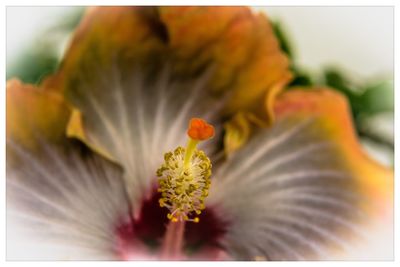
point(185, 176)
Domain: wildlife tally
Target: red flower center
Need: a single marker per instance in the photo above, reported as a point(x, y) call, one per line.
point(141, 237)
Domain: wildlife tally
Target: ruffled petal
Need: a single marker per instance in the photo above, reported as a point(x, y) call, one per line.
point(65, 204)
point(239, 44)
point(246, 56)
point(303, 189)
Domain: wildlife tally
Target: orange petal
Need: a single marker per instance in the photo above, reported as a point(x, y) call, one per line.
point(333, 113)
point(239, 45)
point(34, 113)
point(107, 35)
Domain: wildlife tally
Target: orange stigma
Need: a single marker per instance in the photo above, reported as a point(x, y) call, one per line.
point(200, 130)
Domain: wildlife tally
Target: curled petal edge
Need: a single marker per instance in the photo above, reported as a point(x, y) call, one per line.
point(332, 110)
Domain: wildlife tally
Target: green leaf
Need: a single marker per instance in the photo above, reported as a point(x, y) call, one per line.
point(32, 66)
point(283, 39)
point(301, 77)
point(378, 98)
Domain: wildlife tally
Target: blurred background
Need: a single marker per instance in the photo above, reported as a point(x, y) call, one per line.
point(347, 48)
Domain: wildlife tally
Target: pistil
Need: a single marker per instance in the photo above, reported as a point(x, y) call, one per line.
point(184, 181)
point(171, 248)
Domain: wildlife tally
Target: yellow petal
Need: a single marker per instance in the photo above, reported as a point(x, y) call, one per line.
point(75, 125)
point(239, 129)
point(334, 115)
point(75, 130)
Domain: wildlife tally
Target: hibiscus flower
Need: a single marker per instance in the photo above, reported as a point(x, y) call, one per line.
point(101, 161)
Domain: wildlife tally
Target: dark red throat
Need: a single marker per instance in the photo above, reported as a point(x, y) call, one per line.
point(141, 237)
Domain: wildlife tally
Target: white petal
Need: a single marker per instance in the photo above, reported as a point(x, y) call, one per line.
point(63, 205)
point(137, 119)
point(287, 196)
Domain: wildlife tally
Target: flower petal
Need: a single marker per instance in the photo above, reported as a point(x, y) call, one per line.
point(296, 191)
point(237, 41)
point(129, 33)
point(333, 111)
point(34, 112)
point(238, 130)
point(54, 193)
point(135, 120)
point(67, 202)
point(121, 71)
point(239, 44)
point(246, 56)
